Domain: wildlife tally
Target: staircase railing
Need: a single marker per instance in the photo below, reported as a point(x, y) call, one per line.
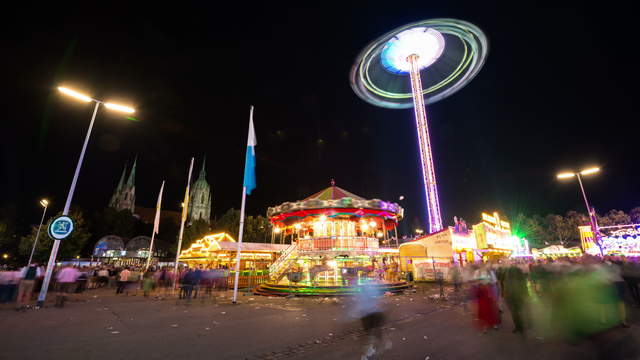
point(278, 265)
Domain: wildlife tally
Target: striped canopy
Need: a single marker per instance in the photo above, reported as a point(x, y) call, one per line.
point(333, 193)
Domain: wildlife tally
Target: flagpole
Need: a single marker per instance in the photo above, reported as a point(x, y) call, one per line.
point(239, 249)
point(248, 184)
point(156, 226)
point(185, 207)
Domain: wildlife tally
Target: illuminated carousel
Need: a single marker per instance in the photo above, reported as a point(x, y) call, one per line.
point(338, 242)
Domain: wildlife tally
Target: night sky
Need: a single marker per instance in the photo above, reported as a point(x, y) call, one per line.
point(557, 91)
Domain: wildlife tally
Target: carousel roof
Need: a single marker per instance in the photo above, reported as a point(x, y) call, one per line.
point(333, 193)
point(334, 201)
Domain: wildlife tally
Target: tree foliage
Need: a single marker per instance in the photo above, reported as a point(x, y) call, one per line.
point(69, 248)
point(196, 230)
point(256, 228)
point(110, 221)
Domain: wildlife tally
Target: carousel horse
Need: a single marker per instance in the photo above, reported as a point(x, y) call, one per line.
point(316, 269)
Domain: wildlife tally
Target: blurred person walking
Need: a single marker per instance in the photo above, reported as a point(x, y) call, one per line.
point(123, 278)
point(514, 291)
point(369, 309)
point(28, 276)
point(486, 304)
point(148, 283)
point(66, 282)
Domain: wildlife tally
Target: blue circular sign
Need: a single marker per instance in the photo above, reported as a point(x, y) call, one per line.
point(61, 227)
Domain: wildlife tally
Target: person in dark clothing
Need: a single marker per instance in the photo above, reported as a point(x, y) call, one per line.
point(631, 276)
point(187, 283)
point(515, 295)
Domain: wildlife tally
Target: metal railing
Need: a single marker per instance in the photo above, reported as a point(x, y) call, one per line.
point(278, 265)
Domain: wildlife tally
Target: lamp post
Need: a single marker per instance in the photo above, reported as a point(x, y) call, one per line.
point(44, 203)
point(590, 211)
point(67, 204)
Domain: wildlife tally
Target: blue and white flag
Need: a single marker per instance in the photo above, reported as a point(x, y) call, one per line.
point(250, 159)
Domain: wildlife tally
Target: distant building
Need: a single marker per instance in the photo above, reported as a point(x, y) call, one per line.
point(124, 197)
point(200, 198)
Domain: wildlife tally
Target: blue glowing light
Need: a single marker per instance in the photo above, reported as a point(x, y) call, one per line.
point(426, 43)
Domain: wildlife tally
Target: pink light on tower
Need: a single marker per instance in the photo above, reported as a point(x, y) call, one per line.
point(426, 156)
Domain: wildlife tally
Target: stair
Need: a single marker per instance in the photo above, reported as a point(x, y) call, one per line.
point(279, 267)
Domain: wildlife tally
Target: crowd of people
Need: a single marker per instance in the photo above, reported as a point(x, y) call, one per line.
point(18, 285)
point(571, 299)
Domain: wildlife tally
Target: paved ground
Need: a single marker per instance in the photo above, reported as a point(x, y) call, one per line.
point(102, 326)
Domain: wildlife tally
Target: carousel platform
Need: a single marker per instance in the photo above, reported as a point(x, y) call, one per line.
point(269, 289)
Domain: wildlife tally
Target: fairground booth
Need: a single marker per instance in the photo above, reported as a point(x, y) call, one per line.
point(618, 240)
point(219, 251)
point(556, 251)
point(434, 254)
point(337, 240)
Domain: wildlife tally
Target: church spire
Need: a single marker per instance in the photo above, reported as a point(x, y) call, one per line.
point(132, 175)
point(121, 182)
point(203, 173)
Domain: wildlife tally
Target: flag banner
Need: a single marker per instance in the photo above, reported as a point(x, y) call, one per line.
point(250, 159)
point(185, 205)
point(156, 221)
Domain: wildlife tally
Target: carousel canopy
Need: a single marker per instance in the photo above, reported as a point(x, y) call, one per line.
point(334, 202)
point(333, 193)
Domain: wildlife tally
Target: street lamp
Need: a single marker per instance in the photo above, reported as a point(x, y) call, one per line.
point(44, 203)
point(590, 212)
point(65, 212)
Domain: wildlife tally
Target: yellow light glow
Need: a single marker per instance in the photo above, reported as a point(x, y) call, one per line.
point(75, 94)
point(364, 227)
point(590, 171)
point(379, 234)
point(566, 175)
point(5, 256)
point(298, 226)
point(112, 106)
point(323, 218)
point(419, 231)
point(332, 263)
point(44, 202)
point(277, 230)
point(372, 224)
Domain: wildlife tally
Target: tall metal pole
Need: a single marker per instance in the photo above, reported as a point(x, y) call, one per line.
point(56, 244)
point(591, 214)
point(37, 235)
point(185, 210)
point(239, 249)
point(426, 157)
point(156, 226)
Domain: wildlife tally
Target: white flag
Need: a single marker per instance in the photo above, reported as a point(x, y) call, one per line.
point(156, 222)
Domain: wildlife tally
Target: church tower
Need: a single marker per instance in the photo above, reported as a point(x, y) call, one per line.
point(124, 197)
point(200, 198)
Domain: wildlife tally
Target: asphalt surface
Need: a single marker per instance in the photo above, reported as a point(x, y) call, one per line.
point(100, 325)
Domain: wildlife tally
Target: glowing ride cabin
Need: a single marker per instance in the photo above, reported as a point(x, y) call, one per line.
point(336, 240)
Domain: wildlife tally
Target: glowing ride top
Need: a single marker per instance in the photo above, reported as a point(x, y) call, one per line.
point(465, 48)
point(425, 44)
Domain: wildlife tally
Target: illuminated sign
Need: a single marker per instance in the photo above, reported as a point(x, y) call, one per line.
point(496, 222)
point(463, 242)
